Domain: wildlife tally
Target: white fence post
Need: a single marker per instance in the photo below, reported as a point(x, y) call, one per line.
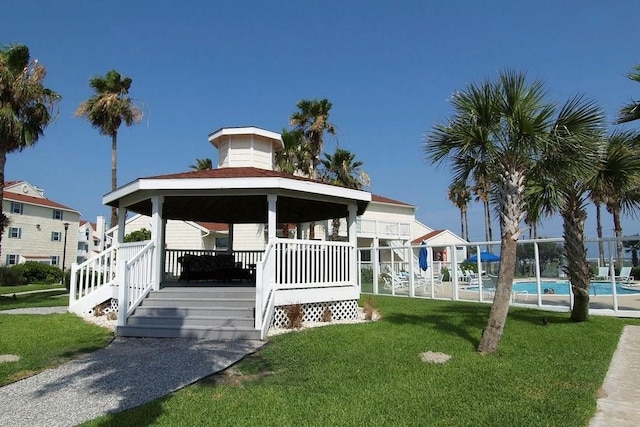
point(123, 294)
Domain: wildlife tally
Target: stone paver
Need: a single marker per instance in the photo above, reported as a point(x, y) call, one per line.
point(618, 405)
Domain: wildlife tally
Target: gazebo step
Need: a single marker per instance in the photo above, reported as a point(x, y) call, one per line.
point(201, 292)
point(191, 321)
point(220, 333)
point(195, 311)
point(185, 302)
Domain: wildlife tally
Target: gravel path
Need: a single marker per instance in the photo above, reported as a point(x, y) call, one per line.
point(125, 374)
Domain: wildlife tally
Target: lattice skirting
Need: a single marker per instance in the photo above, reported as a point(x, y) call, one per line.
point(109, 306)
point(340, 310)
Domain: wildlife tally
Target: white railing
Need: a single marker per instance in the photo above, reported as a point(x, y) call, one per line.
point(94, 279)
point(265, 291)
point(384, 229)
point(538, 274)
point(312, 264)
point(173, 268)
point(135, 281)
point(299, 264)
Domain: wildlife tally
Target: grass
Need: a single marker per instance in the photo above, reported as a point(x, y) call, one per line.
point(44, 341)
point(44, 299)
point(543, 375)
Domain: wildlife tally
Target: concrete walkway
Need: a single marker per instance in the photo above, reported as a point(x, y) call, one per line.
point(619, 405)
point(127, 373)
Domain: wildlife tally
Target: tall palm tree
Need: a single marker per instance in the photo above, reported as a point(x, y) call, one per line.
point(26, 106)
point(460, 195)
point(341, 168)
point(617, 180)
point(106, 110)
point(312, 120)
point(505, 126)
point(630, 111)
point(202, 164)
point(560, 182)
point(633, 246)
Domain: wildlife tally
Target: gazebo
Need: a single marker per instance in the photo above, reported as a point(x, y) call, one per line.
point(244, 189)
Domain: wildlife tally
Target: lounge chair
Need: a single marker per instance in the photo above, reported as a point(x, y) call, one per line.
point(391, 278)
point(625, 275)
point(603, 274)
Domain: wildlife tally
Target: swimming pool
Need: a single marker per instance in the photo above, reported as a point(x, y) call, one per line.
point(562, 288)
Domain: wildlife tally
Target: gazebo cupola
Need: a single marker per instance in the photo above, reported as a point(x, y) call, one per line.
point(246, 147)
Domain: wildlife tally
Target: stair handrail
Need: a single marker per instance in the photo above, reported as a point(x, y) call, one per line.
point(135, 281)
point(92, 274)
point(265, 289)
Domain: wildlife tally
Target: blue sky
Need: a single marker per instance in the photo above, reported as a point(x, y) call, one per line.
point(387, 67)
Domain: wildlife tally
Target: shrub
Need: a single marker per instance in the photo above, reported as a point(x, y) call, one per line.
point(295, 314)
point(446, 276)
point(327, 315)
point(9, 276)
point(37, 272)
point(366, 275)
point(368, 308)
point(635, 272)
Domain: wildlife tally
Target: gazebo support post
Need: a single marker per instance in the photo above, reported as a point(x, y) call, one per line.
point(353, 241)
point(271, 216)
point(157, 234)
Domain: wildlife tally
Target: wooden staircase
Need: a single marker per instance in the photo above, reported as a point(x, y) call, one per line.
point(224, 313)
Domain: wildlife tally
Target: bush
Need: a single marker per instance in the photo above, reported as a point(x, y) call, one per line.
point(295, 314)
point(9, 276)
point(446, 276)
point(37, 272)
point(366, 275)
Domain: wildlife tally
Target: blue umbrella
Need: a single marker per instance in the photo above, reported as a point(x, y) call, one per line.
point(423, 257)
point(484, 257)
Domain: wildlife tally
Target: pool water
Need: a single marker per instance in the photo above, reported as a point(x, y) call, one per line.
point(562, 288)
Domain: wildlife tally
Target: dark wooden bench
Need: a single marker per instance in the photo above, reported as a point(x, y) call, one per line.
point(222, 267)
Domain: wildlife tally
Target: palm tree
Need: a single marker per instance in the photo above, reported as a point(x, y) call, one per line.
point(632, 246)
point(631, 111)
point(106, 110)
point(342, 169)
point(312, 120)
point(202, 164)
point(505, 126)
point(560, 182)
point(26, 106)
point(617, 180)
point(460, 195)
point(292, 157)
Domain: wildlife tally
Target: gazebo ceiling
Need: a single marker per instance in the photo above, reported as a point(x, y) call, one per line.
point(245, 209)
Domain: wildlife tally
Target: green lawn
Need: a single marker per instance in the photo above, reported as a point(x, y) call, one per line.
point(371, 374)
point(44, 341)
point(57, 298)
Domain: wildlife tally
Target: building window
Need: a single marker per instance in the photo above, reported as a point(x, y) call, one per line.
point(56, 236)
point(55, 260)
point(57, 214)
point(12, 259)
point(16, 208)
point(365, 255)
point(15, 232)
point(222, 243)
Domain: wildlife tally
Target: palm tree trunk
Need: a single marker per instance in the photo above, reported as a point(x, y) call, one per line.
point(617, 227)
point(500, 307)
point(114, 174)
point(487, 223)
point(3, 218)
point(462, 223)
point(574, 217)
point(599, 233)
point(466, 226)
point(512, 208)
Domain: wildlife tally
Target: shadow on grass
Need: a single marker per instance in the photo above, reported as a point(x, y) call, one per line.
point(466, 319)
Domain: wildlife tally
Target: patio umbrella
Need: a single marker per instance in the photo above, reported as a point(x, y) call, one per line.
point(484, 257)
point(422, 257)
